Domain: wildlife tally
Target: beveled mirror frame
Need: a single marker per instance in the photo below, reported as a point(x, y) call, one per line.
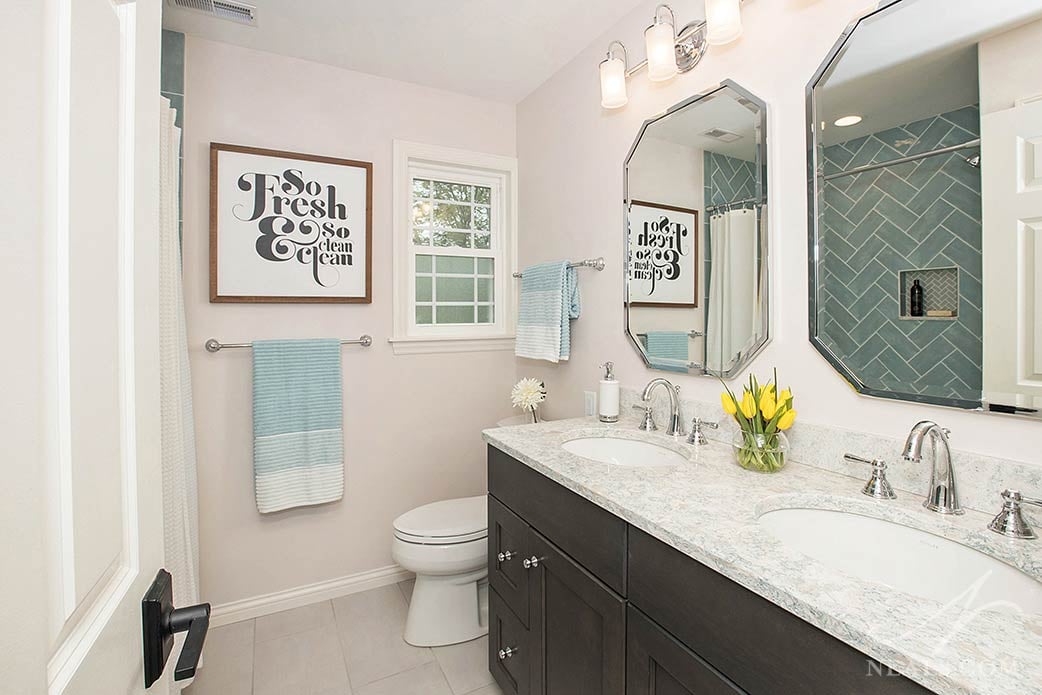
point(815, 171)
point(763, 228)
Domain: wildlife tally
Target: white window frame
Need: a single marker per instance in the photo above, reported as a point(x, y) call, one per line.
point(416, 160)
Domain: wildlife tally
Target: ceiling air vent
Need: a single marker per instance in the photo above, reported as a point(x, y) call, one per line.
point(722, 135)
point(240, 12)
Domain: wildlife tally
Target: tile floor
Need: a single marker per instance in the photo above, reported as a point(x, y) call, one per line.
point(348, 646)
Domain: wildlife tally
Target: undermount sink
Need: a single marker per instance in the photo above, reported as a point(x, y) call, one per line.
point(906, 559)
point(623, 452)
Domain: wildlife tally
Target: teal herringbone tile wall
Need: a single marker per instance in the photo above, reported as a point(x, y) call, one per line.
point(923, 214)
point(727, 179)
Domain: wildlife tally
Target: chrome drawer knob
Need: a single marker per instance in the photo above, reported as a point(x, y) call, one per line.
point(507, 652)
point(530, 562)
point(506, 555)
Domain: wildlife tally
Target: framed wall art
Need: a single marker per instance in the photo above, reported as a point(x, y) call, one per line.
point(663, 255)
point(289, 227)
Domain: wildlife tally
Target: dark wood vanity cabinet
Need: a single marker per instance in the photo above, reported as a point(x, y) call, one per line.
point(554, 627)
point(582, 603)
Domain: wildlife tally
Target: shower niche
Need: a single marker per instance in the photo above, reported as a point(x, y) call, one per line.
point(940, 293)
point(696, 287)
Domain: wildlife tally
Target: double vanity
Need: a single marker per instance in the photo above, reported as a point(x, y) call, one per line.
point(623, 561)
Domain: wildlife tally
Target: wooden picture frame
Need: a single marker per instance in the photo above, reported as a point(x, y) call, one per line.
point(693, 266)
point(248, 254)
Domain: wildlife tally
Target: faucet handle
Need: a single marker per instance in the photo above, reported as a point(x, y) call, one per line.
point(647, 423)
point(697, 436)
point(877, 487)
point(1010, 521)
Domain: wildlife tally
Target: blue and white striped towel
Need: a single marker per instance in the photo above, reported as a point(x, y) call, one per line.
point(549, 300)
point(298, 437)
point(668, 350)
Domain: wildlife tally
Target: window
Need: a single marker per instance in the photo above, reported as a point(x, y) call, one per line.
point(454, 248)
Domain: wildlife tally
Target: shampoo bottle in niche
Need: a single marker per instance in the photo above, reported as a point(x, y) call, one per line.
point(608, 395)
point(915, 299)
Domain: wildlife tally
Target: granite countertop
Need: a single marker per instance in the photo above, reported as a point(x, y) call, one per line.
point(708, 509)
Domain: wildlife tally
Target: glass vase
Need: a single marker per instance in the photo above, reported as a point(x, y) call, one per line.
point(760, 453)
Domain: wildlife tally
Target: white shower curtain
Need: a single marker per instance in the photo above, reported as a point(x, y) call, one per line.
point(734, 308)
point(177, 432)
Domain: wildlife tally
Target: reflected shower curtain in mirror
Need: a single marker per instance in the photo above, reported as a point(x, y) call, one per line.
point(734, 314)
point(177, 431)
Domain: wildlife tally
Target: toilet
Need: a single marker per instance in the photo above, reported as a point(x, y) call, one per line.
point(445, 543)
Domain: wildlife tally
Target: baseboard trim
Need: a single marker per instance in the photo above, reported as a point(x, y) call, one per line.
point(257, 606)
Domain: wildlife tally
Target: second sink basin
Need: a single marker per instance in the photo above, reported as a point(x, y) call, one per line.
point(909, 560)
point(623, 452)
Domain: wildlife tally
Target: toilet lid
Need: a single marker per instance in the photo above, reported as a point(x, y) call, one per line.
point(449, 520)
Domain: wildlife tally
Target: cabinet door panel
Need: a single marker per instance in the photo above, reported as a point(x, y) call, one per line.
point(593, 537)
point(760, 646)
point(657, 664)
point(578, 628)
point(508, 534)
point(506, 633)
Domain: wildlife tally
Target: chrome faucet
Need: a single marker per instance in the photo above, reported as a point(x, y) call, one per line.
point(943, 495)
point(676, 422)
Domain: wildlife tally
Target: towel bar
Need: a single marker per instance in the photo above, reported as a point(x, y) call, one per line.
point(214, 345)
point(595, 263)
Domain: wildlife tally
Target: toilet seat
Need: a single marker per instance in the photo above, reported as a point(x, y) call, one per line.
point(448, 522)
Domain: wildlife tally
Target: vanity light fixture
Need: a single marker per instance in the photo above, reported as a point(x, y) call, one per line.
point(669, 51)
point(846, 121)
point(660, 46)
point(724, 21)
point(613, 78)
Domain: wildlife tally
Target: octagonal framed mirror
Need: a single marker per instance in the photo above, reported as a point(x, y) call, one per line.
point(925, 202)
point(696, 276)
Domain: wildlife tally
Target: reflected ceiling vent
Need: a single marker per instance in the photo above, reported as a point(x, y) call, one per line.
point(240, 12)
point(721, 135)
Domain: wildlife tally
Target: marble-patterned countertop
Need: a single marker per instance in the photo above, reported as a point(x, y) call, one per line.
point(708, 509)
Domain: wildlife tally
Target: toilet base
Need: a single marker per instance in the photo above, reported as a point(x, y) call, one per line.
point(448, 609)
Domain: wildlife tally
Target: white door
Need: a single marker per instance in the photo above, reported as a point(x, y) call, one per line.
point(82, 511)
point(1011, 188)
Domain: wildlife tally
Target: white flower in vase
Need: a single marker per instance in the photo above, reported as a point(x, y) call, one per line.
point(527, 394)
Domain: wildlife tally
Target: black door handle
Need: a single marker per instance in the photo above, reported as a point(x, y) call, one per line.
point(160, 621)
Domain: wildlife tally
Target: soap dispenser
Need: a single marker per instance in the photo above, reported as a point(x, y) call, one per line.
point(608, 395)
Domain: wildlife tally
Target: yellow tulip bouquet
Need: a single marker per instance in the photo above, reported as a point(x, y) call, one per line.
point(762, 415)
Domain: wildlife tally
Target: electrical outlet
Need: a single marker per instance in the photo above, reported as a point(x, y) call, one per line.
point(591, 402)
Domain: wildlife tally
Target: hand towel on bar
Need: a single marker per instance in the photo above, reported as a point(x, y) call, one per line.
point(549, 299)
point(668, 350)
point(298, 437)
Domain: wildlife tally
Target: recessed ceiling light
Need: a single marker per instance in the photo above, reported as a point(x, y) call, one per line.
point(845, 121)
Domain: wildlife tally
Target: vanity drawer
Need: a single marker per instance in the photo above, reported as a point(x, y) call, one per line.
point(762, 647)
point(592, 536)
point(508, 538)
point(509, 655)
point(657, 664)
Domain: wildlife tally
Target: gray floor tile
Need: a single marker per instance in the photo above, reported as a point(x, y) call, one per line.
point(487, 690)
point(371, 626)
point(465, 665)
point(407, 587)
point(227, 662)
point(422, 680)
point(304, 663)
point(293, 621)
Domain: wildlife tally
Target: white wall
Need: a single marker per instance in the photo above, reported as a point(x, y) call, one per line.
point(411, 423)
point(672, 174)
point(571, 153)
point(1009, 67)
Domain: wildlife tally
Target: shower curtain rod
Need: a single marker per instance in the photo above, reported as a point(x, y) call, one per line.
point(746, 201)
point(904, 160)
